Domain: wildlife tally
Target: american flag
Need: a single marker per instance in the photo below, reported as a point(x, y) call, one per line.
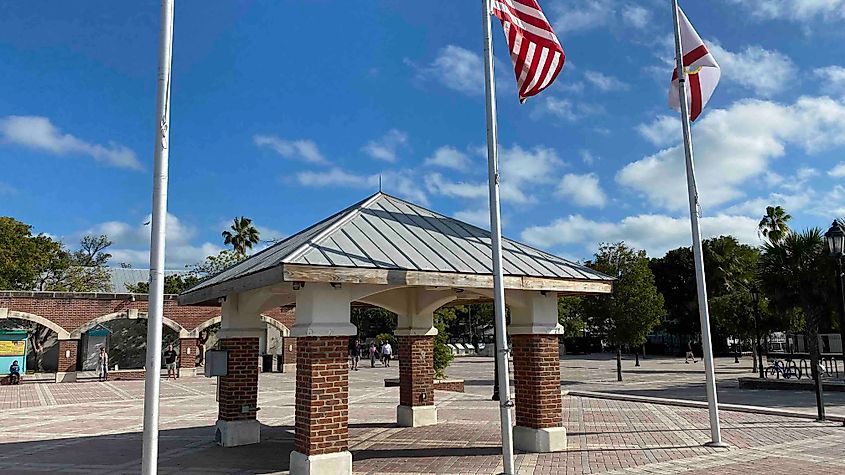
point(536, 53)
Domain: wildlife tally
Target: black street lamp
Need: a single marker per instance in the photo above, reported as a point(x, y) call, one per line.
point(835, 237)
point(755, 299)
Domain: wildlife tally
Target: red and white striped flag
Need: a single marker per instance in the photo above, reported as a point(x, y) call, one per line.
point(536, 53)
point(703, 71)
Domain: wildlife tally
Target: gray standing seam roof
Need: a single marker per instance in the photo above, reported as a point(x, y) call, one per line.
point(385, 232)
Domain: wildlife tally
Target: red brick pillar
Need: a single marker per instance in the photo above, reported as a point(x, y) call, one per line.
point(188, 350)
point(416, 381)
point(536, 368)
point(237, 393)
point(68, 354)
point(322, 392)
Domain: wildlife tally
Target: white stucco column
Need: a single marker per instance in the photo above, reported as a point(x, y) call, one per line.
point(322, 328)
point(240, 330)
point(536, 364)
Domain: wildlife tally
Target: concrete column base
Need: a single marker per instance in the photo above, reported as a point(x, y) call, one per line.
point(416, 416)
point(66, 377)
point(236, 433)
point(527, 439)
point(335, 463)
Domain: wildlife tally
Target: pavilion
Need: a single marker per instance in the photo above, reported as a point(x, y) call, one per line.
point(390, 253)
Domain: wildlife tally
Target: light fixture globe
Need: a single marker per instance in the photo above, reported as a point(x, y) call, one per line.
point(835, 238)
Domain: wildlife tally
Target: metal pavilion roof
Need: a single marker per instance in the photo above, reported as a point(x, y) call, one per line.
point(385, 232)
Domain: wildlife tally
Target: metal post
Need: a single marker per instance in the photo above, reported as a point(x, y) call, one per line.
point(841, 310)
point(715, 430)
point(759, 339)
point(149, 461)
point(496, 243)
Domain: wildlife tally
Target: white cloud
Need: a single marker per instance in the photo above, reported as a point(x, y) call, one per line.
point(132, 241)
point(584, 190)
point(564, 109)
point(663, 131)
point(456, 68)
point(735, 144)
point(479, 217)
point(798, 10)
point(335, 177)
point(578, 15)
point(654, 233)
point(403, 183)
point(304, 150)
point(449, 157)
point(838, 171)
point(439, 185)
point(587, 157)
point(762, 71)
point(39, 133)
point(386, 147)
point(636, 16)
point(605, 83)
point(833, 79)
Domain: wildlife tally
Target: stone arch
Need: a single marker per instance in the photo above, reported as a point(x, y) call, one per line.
point(277, 324)
point(61, 332)
point(202, 326)
point(130, 314)
point(215, 320)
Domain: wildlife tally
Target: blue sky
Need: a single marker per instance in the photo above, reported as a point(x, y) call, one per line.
point(288, 111)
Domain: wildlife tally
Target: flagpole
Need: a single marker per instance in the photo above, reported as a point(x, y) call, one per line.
point(149, 461)
point(707, 346)
point(502, 350)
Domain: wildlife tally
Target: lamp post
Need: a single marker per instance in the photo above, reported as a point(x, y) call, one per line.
point(755, 299)
point(835, 237)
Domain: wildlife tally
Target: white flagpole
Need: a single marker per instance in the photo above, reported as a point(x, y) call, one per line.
point(502, 351)
point(706, 344)
point(149, 462)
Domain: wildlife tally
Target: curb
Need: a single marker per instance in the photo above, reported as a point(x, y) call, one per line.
point(701, 405)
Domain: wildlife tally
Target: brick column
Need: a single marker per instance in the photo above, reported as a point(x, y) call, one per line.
point(536, 367)
point(322, 391)
point(416, 381)
point(188, 351)
point(289, 354)
point(238, 394)
point(68, 354)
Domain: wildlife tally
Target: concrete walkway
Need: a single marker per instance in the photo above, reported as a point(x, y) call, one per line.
point(96, 428)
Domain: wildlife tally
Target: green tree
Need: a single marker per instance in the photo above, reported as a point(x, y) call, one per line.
point(774, 225)
point(243, 235)
point(25, 258)
point(442, 355)
point(570, 314)
point(674, 277)
point(795, 273)
point(373, 321)
point(216, 264)
point(634, 308)
point(173, 284)
point(83, 270)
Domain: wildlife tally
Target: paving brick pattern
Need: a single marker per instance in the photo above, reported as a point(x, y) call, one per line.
point(95, 428)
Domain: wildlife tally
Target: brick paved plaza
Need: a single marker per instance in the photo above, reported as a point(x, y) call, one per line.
point(96, 428)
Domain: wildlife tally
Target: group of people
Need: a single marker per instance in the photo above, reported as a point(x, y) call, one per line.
point(170, 357)
point(383, 353)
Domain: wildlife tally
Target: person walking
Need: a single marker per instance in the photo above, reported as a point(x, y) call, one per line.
point(373, 352)
point(690, 354)
point(355, 354)
point(170, 361)
point(386, 353)
point(103, 364)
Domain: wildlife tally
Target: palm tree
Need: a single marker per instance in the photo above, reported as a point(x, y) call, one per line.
point(774, 225)
point(245, 235)
point(793, 272)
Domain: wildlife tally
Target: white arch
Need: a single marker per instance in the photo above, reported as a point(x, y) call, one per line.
point(275, 323)
point(131, 314)
point(61, 332)
point(215, 320)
